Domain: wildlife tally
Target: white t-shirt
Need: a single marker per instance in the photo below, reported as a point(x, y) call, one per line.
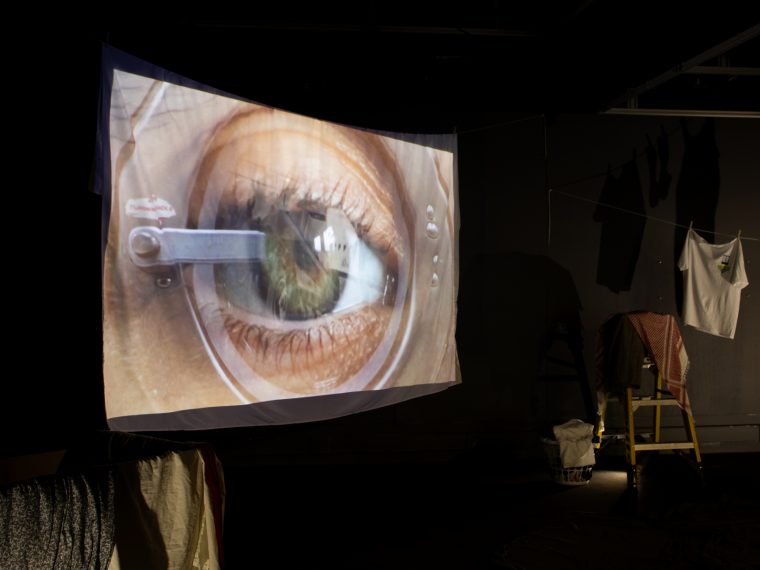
point(713, 276)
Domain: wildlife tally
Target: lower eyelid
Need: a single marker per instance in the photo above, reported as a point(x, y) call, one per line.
point(335, 348)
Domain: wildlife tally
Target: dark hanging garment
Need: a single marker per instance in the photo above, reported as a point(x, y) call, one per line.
point(622, 231)
point(619, 355)
point(697, 191)
point(698, 182)
point(658, 162)
point(664, 178)
point(651, 154)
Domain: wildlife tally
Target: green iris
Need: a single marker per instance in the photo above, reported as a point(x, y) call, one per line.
point(295, 284)
point(291, 282)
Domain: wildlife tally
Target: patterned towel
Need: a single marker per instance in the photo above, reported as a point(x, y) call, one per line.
point(662, 341)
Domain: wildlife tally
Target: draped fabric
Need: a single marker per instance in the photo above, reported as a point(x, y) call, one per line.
point(663, 343)
point(169, 498)
point(58, 522)
point(166, 514)
point(619, 354)
point(119, 501)
point(623, 342)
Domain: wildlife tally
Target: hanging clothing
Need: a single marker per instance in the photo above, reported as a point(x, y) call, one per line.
point(697, 190)
point(169, 499)
point(619, 354)
point(714, 276)
point(620, 241)
point(698, 185)
point(659, 181)
point(58, 522)
point(662, 342)
point(165, 514)
point(622, 343)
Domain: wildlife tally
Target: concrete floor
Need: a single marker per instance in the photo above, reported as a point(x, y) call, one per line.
point(478, 512)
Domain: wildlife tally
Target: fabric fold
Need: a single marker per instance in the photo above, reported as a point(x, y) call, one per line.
point(575, 443)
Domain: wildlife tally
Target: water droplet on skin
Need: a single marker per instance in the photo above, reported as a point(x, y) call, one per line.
point(432, 230)
point(434, 281)
point(430, 212)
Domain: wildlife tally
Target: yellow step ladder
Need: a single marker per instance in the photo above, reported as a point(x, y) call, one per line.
point(633, 403)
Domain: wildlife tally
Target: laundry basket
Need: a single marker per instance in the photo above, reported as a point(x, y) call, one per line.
point(564, 475)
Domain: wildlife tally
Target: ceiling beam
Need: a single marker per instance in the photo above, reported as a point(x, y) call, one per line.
point(718, 114)
point(720, 49)
point(724, 70)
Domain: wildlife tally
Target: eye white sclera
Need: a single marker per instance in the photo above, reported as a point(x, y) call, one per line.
point(342, 250)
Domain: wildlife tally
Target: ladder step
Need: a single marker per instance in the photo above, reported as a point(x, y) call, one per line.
point(654, 446)
point(636, 404)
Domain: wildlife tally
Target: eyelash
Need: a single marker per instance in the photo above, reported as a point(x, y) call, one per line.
point(240, 211)
point(362, 222)
point(281, 344)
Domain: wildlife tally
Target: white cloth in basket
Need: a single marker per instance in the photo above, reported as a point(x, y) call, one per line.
point(575, 447)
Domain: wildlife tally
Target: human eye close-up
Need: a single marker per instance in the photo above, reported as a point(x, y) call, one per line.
point(256, 255)
point(315, 312)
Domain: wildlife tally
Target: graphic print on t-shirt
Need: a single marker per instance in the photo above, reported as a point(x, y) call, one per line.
point(724, 263)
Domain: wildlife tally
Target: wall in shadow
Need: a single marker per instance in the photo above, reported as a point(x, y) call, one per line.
point(512, 306)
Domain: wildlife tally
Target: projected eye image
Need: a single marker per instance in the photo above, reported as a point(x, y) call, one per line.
point(318, 308)
point(256, 255)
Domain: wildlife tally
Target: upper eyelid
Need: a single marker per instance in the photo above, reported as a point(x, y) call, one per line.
point(377, 226)
point(376, 204)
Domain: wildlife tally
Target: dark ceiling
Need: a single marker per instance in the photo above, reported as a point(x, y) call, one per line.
point(435, 67)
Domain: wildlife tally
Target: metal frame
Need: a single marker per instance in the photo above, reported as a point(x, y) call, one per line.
point(692, 66)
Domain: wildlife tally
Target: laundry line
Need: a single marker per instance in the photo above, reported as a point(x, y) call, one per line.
point(648, 217)
point(598, 176)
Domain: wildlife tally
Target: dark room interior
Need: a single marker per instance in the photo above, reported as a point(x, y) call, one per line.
point(590, 136)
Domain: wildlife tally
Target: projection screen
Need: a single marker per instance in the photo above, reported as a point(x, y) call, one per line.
point(264, 267)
